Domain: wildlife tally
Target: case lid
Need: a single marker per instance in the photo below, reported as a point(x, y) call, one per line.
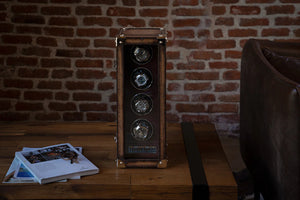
point(158, 33)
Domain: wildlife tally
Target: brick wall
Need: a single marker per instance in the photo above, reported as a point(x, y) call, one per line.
point(57, 56)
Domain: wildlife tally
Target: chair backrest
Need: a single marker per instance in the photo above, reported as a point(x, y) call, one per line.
point(270, 117)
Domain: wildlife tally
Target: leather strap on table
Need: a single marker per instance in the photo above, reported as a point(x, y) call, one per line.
point(200, 186)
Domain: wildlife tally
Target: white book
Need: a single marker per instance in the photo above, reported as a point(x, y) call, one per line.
point(56, 162)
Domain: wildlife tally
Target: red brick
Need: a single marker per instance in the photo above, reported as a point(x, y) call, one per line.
point(216, 108)
point(225, 1)
point(149, 12)
point(29, 29)
point(65, 1)
point(53, 116)
point(18, 83)
point(24, 106)
point(74, 53)
point(3, 16)
point(177, 97)
point(186, 22)
point(206, 55)
point(220, 44)
point(110, 64)
point(175, 76)
point(113, 97)
point(197, 86)
point(158, 22)
point(254, 22)
point(233, 54)
point(57, 31)
point(89, 63)
point(218, 10)
point(61, 74)
point(275, 32)
point(49, 85)
point(189, 12)
point(88, 10)
point(3, 7)
point(131, 22)
point(184, 34)
point(226, 21)
point(25, 9)
point(79, 85)
point(129, 2)
point(16, 39)
point(297, 32)
point(204, 97)
point(100, 21)
point(36, 51)
point(28, 19)
point(90, 74)
point(242, 33)
point(189, 44)
point(84, 107)
point(46, 41)
point(108, 2)
point(169, 66)
point(226, 87)
point(5, 105)
point(34, 1)
point(73, 116)
point(231, 75)
point(56, 10)
point(196, 118)
point(192, 108)
point(202, 75)
point(77, 42)
point(62, 96)
point(173, 55)
point(174, 87)
point(6, 28)
point(218, 33)
point(99, 53)
point(288, 21)
point(154, 3)
point(230, 98)
point(87, 96)
point(260, 1)
point(91, 32)
point(110, 117)
point(223, 65)
point(190, 65)
point(37, 95)
point(105, 86)
point(226, 118)
point(6, 50)
point(113, 32)
point(285, 9)
point(56, 106)
point(14, 116)
point(33, 73)
point(63, 21)
point(22, 61)
point(10, 94)
point(113, 75)
point(56, 62)
point(120, 11)
point(185, 3)
point(244, 10)
point(104, 43)
point(290, 1)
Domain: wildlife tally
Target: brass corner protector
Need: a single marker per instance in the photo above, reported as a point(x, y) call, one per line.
point(162, 164)
point(121, 164)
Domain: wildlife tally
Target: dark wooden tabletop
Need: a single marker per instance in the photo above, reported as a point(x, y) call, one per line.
point(97, 140)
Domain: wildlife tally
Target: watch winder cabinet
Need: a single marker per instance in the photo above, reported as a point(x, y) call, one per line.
point(141, 131)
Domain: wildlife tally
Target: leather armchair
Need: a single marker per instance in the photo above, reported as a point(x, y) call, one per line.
point(270, 117)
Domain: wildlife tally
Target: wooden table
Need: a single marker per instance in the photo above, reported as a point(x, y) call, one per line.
point(97, 140)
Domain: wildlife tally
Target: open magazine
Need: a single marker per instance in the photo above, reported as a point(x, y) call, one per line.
point(51, 164)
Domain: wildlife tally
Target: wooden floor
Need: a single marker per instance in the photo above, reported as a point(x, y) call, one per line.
point(97, 140)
